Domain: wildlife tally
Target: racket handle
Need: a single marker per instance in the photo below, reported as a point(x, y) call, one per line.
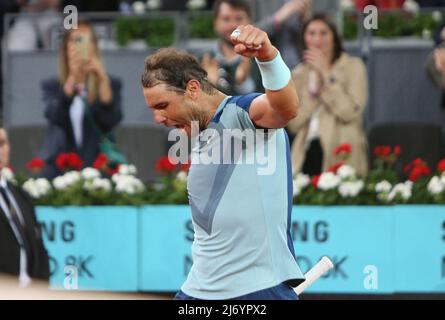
point(324, 265)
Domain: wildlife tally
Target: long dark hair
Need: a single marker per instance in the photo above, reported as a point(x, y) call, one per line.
point(338, 44)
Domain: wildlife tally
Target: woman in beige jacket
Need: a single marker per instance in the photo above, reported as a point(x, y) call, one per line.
point(333, 90)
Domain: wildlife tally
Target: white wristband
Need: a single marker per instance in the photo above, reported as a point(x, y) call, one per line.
point(274, 73)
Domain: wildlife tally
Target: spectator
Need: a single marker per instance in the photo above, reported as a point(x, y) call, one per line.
point(82, 102)
point(22, 251)
point(227, 70)
point(435, 68)
point(431, 64)
point(233, 74)
point(6, 6)
point(30, 31)
point(435, 62)
point(333, 91)
point(284, 26)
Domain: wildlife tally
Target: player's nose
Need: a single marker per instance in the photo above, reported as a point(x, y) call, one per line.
point(159, 119)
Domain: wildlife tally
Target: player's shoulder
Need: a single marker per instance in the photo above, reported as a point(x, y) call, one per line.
point(235, 113)
point(243, 101)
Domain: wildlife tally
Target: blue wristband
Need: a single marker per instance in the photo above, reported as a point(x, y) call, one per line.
point(274, 73)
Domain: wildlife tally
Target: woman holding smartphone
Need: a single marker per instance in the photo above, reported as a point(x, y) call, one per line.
point(82, 104)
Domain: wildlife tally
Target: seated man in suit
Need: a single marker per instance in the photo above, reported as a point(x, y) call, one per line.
point(22, 252)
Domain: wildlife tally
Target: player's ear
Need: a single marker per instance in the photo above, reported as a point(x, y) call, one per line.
point(193, 89)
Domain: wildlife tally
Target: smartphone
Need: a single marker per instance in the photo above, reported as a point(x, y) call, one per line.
point(83, 46)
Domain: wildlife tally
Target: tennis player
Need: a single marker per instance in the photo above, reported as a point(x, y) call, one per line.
point(242, 246)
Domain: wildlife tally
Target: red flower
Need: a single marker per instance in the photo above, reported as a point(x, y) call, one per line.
point(101, 162)
point(335, 167)
point(416, 163)
point(62, 161)
point(66, 161)
point(35, 165)
point(418, 172)
point(164, 164)
point(343, 148)
point(441, 166)
point(185, 166)
point(386, 151)
point(114, 170)
point(378, 151)
point(417, 169)
point(314, 181)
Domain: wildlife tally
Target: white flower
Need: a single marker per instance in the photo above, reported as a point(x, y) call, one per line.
point(67, 180)
point(30, 187)
point(426, 33)
point(182, 176)
point(350, 188)
point(383, 186)
point(411, 6)
point(402, 189)
point(300, 182)
point(346, 171)
point(328, 180)
point(37, 187)
point(127, 169)
point(7, 174)
point(128, 184)
point(195, 4)
point(435, 186)
point(43, 185)
point(117, 176)
point(98, 184)
point(72, 177)
point(153, 4)
point(90, 173)
point(409, 183)
point(60, 183)
point(347, 4)
point(138, 7)
point(437, 16)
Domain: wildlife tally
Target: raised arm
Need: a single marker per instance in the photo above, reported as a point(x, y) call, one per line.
point(280, 103)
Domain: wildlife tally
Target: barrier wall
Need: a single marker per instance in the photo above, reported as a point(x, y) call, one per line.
point(380, 250)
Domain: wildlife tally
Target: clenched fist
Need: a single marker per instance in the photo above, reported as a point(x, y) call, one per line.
point(253, 42)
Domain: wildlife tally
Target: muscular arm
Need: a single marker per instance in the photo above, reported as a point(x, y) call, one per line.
point(275, 109)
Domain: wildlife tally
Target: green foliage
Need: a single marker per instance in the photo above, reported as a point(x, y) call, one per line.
point(201, 27)
point(393, 24)
point(156, 32)
point(350, 26)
